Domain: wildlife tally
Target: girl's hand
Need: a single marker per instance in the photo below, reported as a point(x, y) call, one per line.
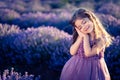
point(80, 33)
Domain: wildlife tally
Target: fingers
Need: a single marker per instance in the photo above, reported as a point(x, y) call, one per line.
point(77, 29)
point(79, 32)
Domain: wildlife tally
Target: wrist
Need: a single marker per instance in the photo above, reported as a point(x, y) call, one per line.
point(79, 37)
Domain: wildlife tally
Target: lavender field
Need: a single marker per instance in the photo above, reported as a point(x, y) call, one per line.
point(35, 37)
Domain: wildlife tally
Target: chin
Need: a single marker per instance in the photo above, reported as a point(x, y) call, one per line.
point(89, 31)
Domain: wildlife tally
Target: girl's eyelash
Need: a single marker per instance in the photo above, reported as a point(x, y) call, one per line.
point(84, 21)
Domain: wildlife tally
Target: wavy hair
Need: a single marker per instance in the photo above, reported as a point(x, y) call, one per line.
point(99, 30)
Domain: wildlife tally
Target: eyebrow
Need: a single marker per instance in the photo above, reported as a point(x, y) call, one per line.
point(82, 20)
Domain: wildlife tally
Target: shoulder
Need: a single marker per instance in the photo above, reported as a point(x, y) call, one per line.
point(99, 44)
point(101, 40)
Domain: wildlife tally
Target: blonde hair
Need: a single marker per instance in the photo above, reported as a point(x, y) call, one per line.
point(99, 30)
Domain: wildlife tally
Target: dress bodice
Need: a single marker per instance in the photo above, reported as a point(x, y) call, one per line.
point(80, 51)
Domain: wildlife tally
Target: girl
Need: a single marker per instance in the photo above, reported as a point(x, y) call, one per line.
point(89, 42)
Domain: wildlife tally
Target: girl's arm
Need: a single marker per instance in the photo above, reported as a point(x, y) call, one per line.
point(95, 49)
point(74, 47)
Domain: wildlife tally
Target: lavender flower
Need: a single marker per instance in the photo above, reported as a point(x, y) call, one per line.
point(16, 76)
point(44, 45)
point(112, 57)
point(7, 14)
point(110, 8)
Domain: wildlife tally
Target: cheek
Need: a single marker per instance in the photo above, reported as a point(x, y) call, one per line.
point(82, 30)
point(91, 28)
point(91, 25)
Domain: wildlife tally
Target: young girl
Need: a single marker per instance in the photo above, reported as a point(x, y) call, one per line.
point(89, 42)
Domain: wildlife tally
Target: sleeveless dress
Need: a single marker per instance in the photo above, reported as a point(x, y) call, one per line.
point(79, 67)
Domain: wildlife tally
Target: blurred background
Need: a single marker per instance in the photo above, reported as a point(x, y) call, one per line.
point(35, 36)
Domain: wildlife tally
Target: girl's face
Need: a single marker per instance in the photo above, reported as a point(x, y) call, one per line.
point(85, 25)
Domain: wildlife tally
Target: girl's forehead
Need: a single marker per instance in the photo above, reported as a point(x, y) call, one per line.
point(78, 21)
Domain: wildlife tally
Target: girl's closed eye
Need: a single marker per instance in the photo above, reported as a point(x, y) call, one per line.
point(84, 21)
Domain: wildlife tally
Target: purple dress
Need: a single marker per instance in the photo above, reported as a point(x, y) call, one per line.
point(79, 67)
